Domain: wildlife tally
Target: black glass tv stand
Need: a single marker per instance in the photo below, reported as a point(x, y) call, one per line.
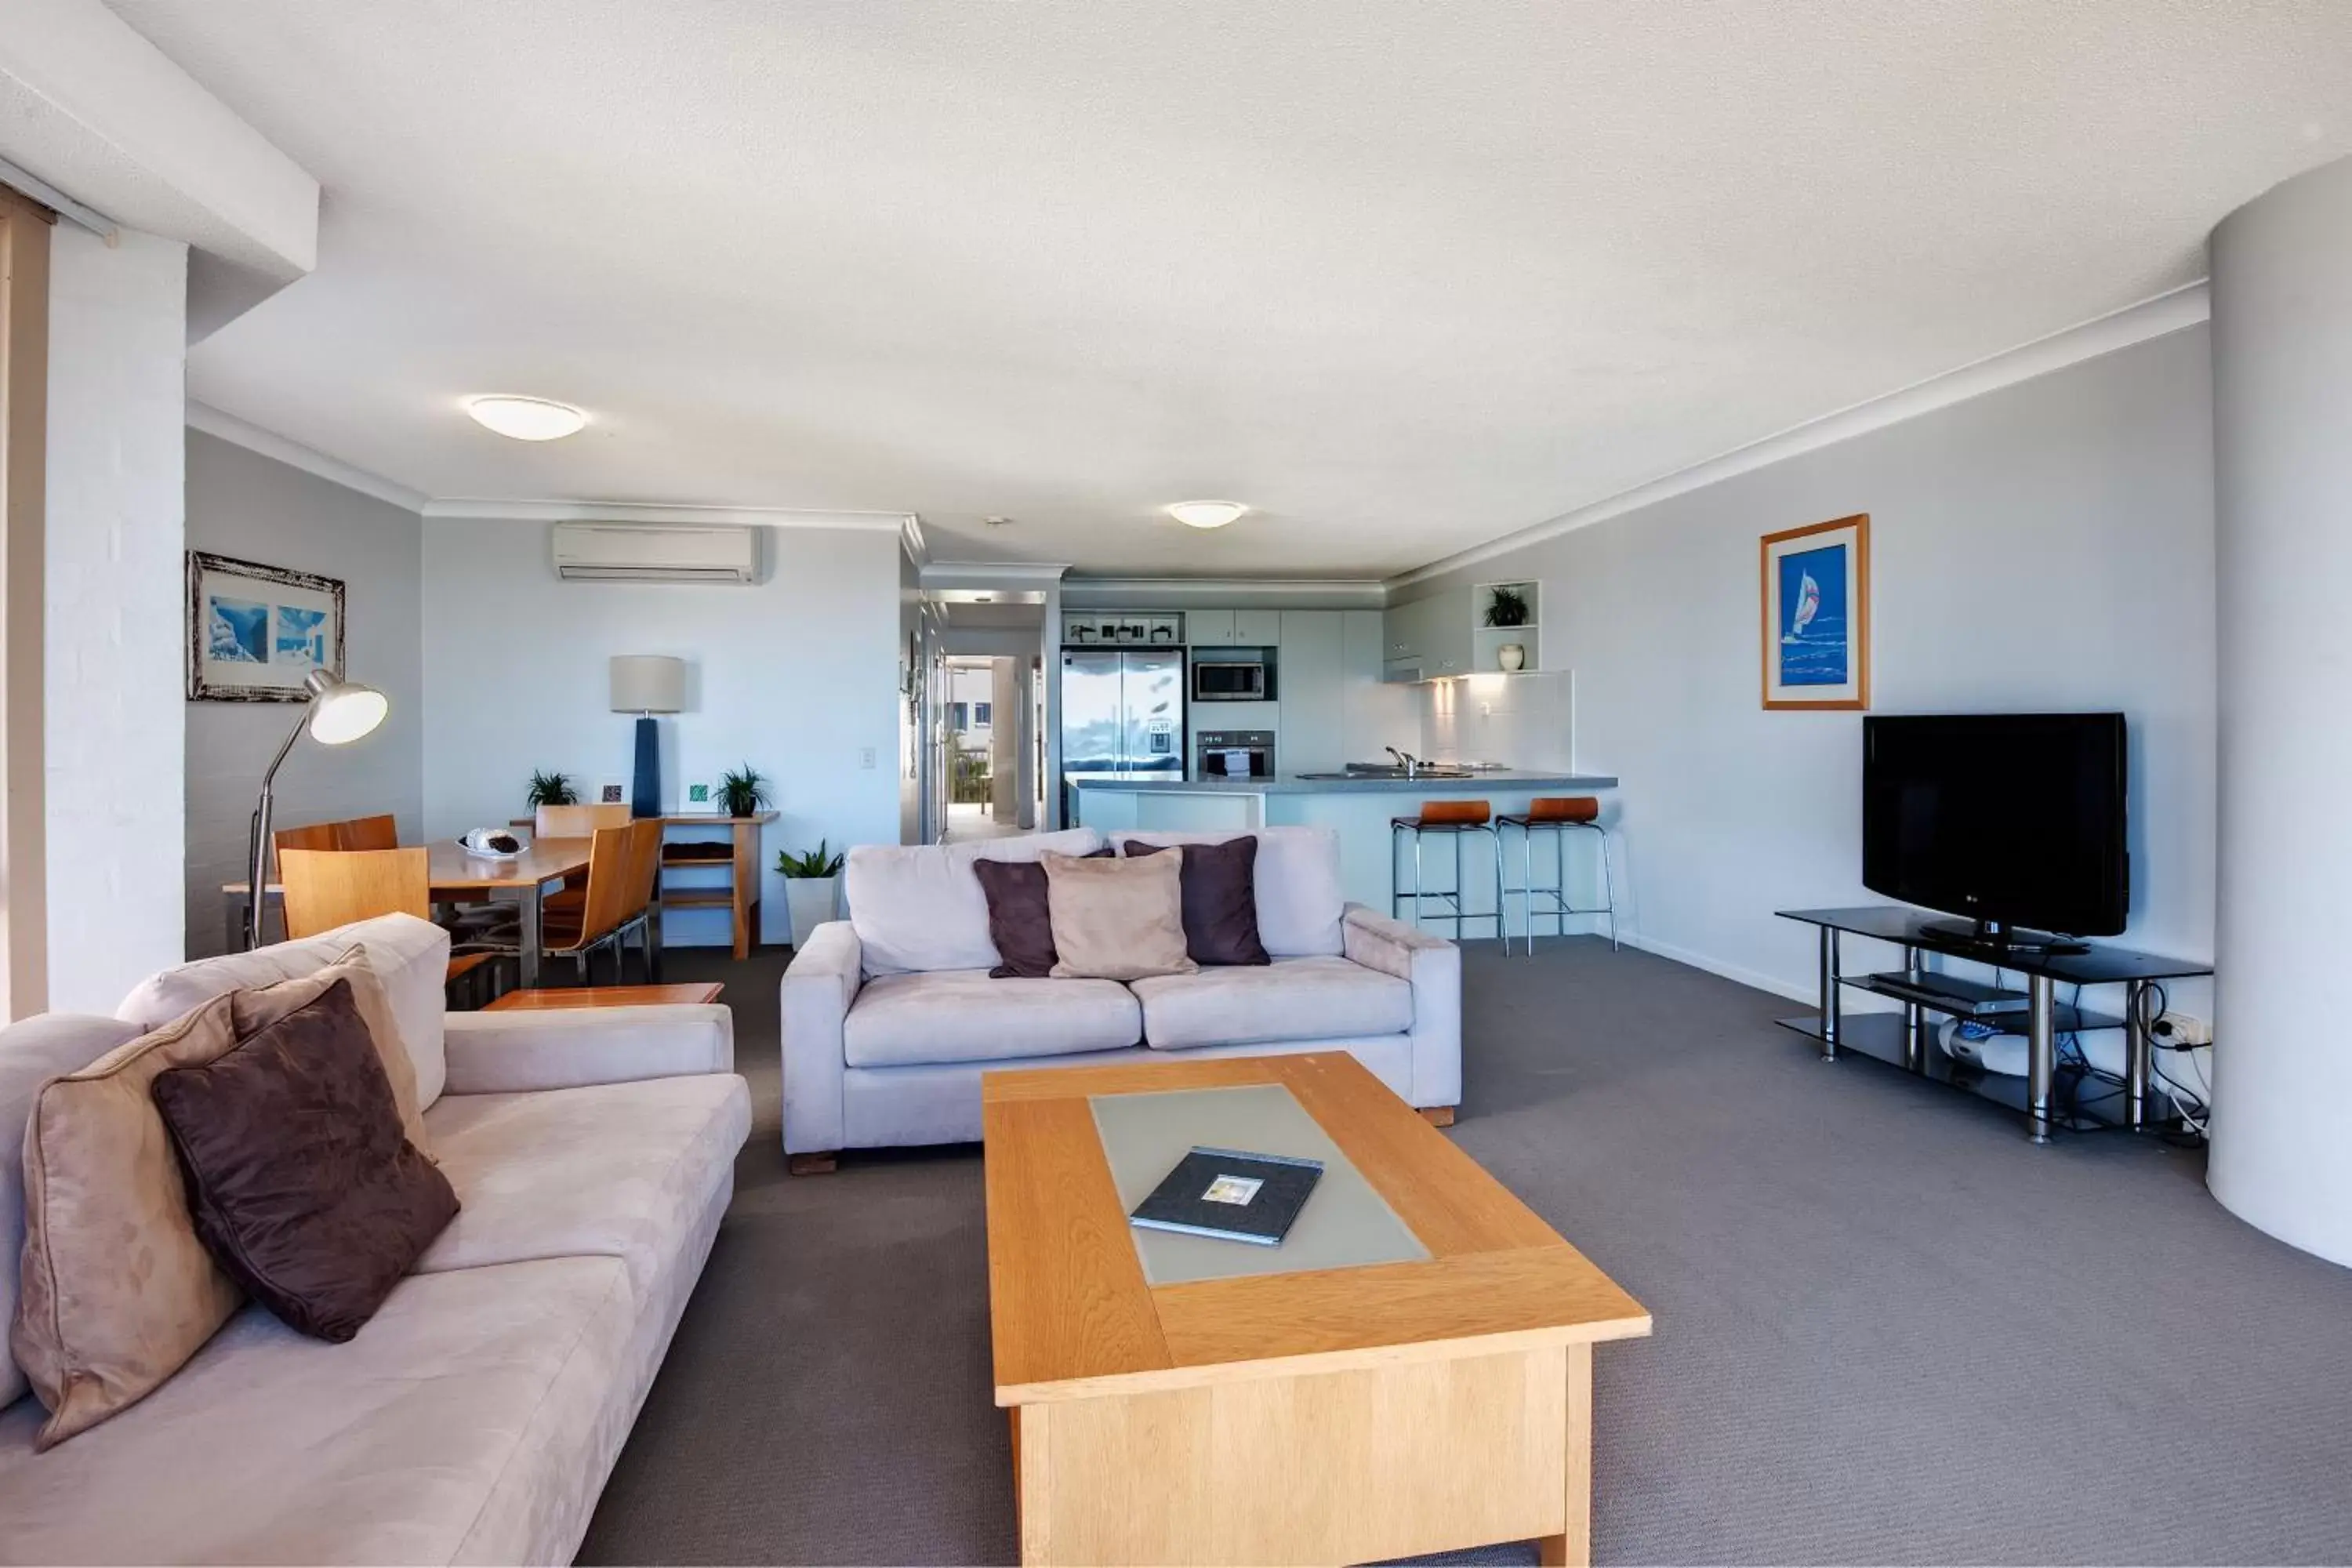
point(1902, 1039)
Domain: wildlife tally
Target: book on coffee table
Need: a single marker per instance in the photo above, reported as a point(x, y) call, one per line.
point(1231, 1195)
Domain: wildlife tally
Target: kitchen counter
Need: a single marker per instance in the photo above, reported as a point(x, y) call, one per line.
point(1501, 780)
point(1375, 861)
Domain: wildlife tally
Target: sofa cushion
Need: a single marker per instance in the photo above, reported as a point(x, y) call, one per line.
point(118, 1290)
point(964, 1015)
point(1291, 999)
point(618, 1170)
point(1021, 916)
point(1117, 919)
point(1300, 900)
point(1220, 899)
point(919, 907)
point(254, 1011)
point(300, 1179)
point(473, 1400)
point(32, 1053)
point(410, 956)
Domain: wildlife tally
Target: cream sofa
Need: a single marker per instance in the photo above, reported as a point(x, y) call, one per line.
point(890, 1016)
point(474, 1419)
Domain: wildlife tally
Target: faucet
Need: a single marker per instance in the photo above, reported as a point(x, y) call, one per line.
point(1405, 759)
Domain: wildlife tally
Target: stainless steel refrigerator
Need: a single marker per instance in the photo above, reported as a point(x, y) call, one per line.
point(1122, 712)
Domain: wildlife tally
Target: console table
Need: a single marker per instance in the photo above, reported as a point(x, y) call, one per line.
point(1901, 1038)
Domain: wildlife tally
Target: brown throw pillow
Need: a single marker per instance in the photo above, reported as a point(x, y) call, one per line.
point(1116, 920)
point(257, 1009)
point(118, 1292)
point(1220, 900)
point(1020, 921)
point(299, 1178)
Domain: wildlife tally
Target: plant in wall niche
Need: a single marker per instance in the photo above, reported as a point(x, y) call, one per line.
point(1506, 605)
point(812, 887)
point(743, 792)
point(550, 789)
point(815, 862)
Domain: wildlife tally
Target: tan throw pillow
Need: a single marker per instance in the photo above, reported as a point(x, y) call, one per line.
point(1116, 920)
point(118, 1293)
point(256, 1010)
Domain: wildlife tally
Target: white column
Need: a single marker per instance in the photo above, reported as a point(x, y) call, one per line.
point(2281, 1154)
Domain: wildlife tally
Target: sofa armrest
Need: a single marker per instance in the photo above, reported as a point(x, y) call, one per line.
point(565, 1048)
point(1433, 966)
point(819, 989)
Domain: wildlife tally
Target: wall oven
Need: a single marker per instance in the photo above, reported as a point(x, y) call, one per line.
point(1232, 675)
point(1233, 754)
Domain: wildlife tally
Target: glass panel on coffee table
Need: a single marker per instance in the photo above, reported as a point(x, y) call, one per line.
point(1345, 1224)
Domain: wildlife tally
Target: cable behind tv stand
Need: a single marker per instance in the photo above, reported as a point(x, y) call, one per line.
point(1902, 1040)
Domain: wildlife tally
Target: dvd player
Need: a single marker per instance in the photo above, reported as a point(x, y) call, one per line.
point(1950, 993)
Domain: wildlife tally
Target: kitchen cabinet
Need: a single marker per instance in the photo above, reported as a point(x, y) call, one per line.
point(1258, 628)
point(1233, 628)
point(1433, 634)
point(1312, 682)
point(1374, 716)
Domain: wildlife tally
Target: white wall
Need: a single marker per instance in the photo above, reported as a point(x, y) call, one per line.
point(115, 679)
point(2282, 379)
point(2048, 545)
point(795, 675)
point(255, 507)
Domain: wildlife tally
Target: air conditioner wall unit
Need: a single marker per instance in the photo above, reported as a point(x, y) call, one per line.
point(645, 552)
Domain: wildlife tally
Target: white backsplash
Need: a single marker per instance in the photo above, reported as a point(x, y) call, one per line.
point(1520, 720)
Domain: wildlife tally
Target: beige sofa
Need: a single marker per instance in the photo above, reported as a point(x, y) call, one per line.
point(474, 1419)
point(891, 1016)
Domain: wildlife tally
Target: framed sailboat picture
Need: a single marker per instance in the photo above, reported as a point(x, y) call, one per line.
point(1816, 590)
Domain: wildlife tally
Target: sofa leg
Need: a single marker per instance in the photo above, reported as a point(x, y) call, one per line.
point(812, 1165)
point(1438, 1115)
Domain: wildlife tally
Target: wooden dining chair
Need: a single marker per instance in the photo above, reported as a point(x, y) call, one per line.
point(574, 822)
point(609, 903)
point(577, 821)
point(330, 888)
point(355, 833)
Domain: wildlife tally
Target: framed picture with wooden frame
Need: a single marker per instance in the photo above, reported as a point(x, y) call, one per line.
point(256, 632)
point(1815, 587)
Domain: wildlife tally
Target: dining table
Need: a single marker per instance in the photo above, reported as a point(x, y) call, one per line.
point(459, 877)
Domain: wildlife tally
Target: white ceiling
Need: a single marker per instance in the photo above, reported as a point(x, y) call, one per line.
point(1404, 275)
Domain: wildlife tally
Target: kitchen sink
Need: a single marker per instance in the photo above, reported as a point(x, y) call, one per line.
point(1377, 771)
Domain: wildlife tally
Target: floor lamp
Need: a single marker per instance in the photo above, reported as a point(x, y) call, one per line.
point(336, 712)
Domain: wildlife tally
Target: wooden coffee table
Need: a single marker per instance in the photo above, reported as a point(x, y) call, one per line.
point(605, 996)
point(1330, 1415)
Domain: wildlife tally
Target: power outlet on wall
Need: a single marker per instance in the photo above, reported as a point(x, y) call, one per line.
point(2182, 1029)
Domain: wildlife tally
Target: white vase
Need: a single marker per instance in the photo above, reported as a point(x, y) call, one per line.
point(1511, 656)
point(812, 900)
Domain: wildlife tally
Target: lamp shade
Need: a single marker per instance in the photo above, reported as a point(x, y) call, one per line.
point(648, 683)
point(342, 710)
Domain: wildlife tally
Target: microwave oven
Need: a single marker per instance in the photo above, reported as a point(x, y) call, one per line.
point(1232, 677)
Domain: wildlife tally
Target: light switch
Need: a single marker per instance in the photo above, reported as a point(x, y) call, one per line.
point(866, 757)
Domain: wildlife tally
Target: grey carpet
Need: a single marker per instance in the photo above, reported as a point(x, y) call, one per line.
point(1888, 1330)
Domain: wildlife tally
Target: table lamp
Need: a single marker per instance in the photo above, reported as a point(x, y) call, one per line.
point(647, 684)
point(336, 713)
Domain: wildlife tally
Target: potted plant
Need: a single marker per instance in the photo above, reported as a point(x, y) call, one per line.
point(811, 889)
point(550, 789)
point(743, 792)
point(1506, 604)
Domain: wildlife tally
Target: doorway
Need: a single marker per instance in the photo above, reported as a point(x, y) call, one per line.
point(986, 755)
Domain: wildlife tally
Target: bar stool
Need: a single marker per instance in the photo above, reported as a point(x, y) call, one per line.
point(1458, 819)
point(1557, 814)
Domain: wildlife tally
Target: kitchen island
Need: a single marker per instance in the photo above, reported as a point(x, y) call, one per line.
point(1358, 807)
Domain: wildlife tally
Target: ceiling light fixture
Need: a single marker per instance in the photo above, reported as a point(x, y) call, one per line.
point(1206, 513)
point(526, 419)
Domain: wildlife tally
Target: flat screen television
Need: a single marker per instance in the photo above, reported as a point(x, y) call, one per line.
point(2013, 821)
